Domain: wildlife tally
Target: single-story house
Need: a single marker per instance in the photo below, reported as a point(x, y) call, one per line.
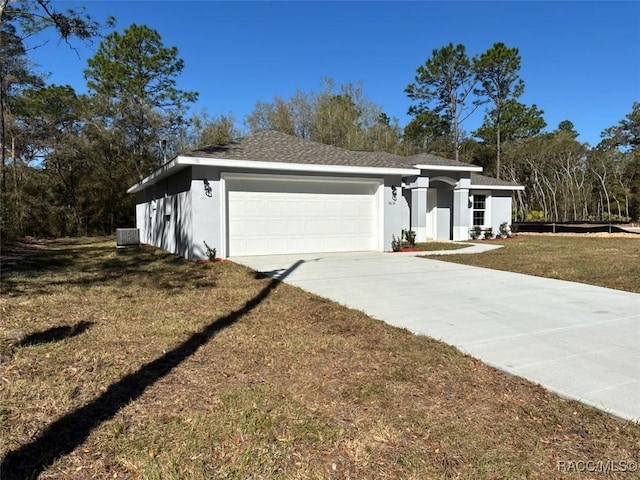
point(273, 193)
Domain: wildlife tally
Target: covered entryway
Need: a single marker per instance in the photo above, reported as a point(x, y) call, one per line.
point(271, 214)
point(440, 209)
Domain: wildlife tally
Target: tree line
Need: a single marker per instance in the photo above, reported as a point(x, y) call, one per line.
point(67, 158)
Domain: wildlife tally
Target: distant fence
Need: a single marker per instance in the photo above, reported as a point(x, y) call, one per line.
point(569, 227)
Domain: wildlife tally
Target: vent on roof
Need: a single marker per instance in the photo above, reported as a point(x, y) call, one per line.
point(127, 237)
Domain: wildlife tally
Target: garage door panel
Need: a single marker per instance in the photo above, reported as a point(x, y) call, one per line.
point(315, 229)
point(271, 217)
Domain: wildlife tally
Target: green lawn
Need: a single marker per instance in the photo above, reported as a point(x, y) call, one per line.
point(137, 364)
point(606, 261)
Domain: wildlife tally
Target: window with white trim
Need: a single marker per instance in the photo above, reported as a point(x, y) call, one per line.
point(479, 210)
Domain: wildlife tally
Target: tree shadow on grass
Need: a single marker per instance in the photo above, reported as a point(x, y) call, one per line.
point(94, 263)
point(56, 256)
point(70, 431)
point(55, 334)
point(38, 261)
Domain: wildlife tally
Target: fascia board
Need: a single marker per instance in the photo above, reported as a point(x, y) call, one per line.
point(299, 167)
point(442, 168)
point(164, 171)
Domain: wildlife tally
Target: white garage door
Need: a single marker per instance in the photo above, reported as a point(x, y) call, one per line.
point(280, 216)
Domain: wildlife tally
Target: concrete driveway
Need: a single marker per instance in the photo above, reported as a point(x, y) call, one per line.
point(580, 341)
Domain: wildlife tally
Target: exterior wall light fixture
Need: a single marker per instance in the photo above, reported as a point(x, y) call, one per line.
point(208, 191)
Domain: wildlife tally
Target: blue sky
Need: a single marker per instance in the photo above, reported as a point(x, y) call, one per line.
point(580, 60)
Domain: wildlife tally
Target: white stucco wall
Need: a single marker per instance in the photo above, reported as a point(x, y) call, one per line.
point(141, 215)
point(206, 199)
point(163, 214)
point(396, 211)
point(461, 208)
point(500, 209)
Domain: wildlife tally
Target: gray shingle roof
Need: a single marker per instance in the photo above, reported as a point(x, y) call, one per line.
point(271, 146)
point(477, 179)
point(428, 159)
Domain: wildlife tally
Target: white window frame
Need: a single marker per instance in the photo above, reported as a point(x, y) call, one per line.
point(487, 208)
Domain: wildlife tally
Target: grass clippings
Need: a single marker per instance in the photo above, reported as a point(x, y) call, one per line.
point(137, 364)
point(595, 259)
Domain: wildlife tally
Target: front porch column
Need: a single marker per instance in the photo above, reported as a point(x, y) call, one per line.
point(461, 214)
point(419, 213)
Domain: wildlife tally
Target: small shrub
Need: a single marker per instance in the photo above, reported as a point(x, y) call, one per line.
point(396, 243)
point(475, 233)
point(514, 229)
point(503, 230)
point(211, 252)
point(488, 233)
point(410, 237)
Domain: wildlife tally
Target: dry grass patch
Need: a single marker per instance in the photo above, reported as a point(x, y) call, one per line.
point(142, 365)
point(596, 259)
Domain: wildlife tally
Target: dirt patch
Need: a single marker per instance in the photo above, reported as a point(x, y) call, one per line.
point(411, 249)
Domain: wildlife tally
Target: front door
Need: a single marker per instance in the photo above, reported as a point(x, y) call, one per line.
point(444, 218)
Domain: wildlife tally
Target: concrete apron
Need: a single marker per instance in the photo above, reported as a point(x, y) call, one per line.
point(580, 341)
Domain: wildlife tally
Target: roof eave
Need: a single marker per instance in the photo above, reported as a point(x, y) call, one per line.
point(449, 168)
point(164, 171)
point(182, 162)
point(299, 167)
